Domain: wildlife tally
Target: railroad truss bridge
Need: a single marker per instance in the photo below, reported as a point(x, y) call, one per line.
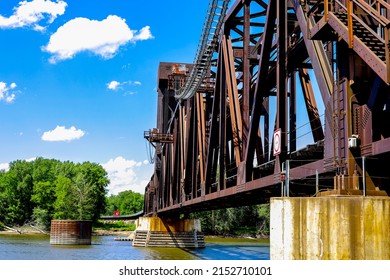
point(283, 99)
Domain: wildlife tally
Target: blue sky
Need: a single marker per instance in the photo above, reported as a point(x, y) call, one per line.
point(78, 79)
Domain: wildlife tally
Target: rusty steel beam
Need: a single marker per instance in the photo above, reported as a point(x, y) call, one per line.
point(225, 79)
point(381, 147)
point(214, 132)
point(292, 146)
point(267, 183)
point(246, 78)
point(261, 88)
point(234, 105)
point(322, 68)
point(201, 133)
point(281, 77)
point(311, 105)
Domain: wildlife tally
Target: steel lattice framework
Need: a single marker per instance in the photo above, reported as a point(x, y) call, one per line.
point(279, 66)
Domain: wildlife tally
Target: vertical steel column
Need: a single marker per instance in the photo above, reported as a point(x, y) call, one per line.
point(232, 93)
point(220, 86)
point(311, 105)
point(195, 151)
point(201, 132)
point(183, 153)
point(222, 136)
point(281, 76)
point(293, 113)
point(246, 78)
point(350, 23)
point(191, 159)
point(260, 93)
point(282, 185)
point(267, 152)
point(287, 178)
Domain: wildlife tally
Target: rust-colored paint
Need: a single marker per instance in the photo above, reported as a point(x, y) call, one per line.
point(70, 232)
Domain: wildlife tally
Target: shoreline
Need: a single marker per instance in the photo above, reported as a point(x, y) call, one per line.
point(97, 232)
point(103, 232)
point(23, 230)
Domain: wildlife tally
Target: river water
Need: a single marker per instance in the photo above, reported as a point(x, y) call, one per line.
point(37, 247)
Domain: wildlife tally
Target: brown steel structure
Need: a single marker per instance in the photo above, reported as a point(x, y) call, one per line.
point(278, 62)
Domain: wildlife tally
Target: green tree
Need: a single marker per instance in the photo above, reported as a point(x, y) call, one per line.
point(127, 202)
point(64, 205)
point(17, 186)
point(43, 195)
point(46, 188)
point(263, 211)
point(82, 197)
point(247, 219)
point(44, 170)
point(90, 185)
point(41, 217)
point(3, 196)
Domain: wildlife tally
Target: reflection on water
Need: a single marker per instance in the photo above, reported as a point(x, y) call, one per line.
point(37, 247)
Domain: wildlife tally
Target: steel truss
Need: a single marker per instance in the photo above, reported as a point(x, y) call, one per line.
point(278, 63)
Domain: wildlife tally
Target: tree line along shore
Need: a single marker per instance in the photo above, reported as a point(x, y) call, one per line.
point(32, 193)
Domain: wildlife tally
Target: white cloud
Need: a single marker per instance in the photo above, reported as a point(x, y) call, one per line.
point(4, 166)
point(10, 98)
point(60, 133)
point(102, 38)
point(144, 34)
point(33, 12)
point(7, 93)
point(124, 175)
point(31, 159)
point(129, 93)
point(113, 85)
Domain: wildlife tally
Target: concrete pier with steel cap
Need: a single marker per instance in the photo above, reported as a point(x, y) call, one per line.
point(330, 228)
point(163, 232)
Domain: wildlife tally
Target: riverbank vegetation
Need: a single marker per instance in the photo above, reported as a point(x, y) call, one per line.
point(45, 189)
point(126, 202)
point(35, 192)
point(114, 226)
point(242, 221)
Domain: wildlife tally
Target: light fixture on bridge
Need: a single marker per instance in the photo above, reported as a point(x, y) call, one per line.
point(353, 142)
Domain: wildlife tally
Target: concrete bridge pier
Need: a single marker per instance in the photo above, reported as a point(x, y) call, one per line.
point(165, 232)
point(330, 227)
